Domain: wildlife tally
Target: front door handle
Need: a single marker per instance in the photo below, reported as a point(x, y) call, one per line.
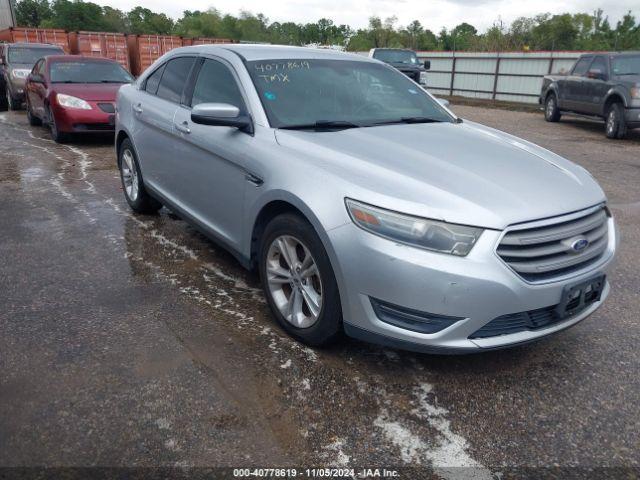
point(253, 179)
point(137, 108)
point(183, 127)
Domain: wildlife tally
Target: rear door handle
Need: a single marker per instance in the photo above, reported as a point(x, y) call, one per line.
point(137, 108)
point(183, 127)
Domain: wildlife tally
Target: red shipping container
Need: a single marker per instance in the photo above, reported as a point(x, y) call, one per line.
point(36, 35)
point(206, 41)
point(146, 49)
point(101, 44)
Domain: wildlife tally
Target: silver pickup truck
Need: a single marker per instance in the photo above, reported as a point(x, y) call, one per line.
point(603, 85)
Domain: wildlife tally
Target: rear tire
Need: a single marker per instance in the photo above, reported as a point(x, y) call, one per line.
point(615, 126)
point(298, 280)
point(132, 184)
point(551, 110)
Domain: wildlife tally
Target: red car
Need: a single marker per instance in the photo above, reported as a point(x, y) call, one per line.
point(73, 94)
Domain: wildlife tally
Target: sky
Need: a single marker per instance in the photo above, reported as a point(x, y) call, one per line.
point(433, 14)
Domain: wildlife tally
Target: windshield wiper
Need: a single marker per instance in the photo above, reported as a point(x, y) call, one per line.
point(323, 125)
point(409, 120)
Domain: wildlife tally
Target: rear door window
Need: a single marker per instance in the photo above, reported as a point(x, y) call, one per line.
point(174, 78)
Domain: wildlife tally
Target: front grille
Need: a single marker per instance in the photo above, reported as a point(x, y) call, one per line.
point(107, 107)
point(93, 127)
point(518, 322)
point(546, 252)
point(575, 299)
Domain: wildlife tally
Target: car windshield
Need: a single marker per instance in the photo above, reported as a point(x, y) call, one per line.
point(351, 93)
point(626, 65)
point(29, 56)
point(396, 56)
point(89, 72)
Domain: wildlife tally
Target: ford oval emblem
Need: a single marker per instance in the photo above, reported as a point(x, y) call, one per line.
point(579, 244)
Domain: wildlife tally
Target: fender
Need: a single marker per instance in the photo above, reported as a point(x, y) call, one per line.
point(284, 196)
point(616, 91)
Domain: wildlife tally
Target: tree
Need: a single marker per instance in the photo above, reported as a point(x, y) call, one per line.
point(143, 20)
point(31, 13)
point(579, 31)
point(75, 16)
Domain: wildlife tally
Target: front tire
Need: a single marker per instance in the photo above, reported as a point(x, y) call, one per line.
point(616, 127)
point(33, 120)
point(56, 135)
point(134, 191)
point(299, 282)
point(12, 103)
point(3, 101)
point(551, 110)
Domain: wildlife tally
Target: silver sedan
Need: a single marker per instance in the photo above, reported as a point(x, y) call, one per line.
point(366, 205)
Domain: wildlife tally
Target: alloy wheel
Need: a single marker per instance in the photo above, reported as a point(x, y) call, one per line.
point(130, 175)
point(294, 281)
point(611, 121)
point(551, 106)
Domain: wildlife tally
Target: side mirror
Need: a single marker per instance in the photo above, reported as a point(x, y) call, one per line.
point(221, 115)
point(596, 75)
point(442, 101)
point(427, 64)
point(35, 78)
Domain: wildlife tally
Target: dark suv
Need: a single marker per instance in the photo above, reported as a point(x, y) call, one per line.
point(602, 85)
point(402, 59)
point(16, 62)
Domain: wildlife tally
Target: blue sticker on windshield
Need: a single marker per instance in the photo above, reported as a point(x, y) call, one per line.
point(411, 90)
point(269, 95)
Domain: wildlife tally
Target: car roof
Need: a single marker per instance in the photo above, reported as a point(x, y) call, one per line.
point(33, 45)
point(75, 58)
point(253, 52)
point(624, 54)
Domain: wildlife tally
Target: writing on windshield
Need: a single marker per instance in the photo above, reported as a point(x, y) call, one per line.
point(339, 91)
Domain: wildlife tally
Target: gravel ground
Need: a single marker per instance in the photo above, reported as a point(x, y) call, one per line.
point(132, 341)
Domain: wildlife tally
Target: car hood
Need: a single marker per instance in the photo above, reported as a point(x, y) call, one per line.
point(96, 92)
point(404, 66)
point(461, 173)
point(21, 66)
point(628, 79)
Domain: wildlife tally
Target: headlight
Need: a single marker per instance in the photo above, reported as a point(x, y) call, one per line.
point(72, 102)
point(419, 232)
point(20, 73)
point(635, 92)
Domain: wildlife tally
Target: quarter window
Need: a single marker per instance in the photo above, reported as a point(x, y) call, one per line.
point(174, 78)
point(151, 85)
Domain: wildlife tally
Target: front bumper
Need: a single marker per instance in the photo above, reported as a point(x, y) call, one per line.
point(477, 288)
point(16, 89)
point(632, 117)
point(73, 120)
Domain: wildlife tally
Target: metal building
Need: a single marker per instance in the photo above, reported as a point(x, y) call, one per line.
point(7, 14)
